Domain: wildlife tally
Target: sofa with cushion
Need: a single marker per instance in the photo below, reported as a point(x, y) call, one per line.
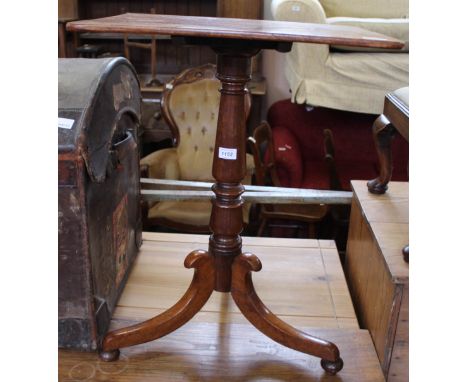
point(298, 135)
point(345, 78)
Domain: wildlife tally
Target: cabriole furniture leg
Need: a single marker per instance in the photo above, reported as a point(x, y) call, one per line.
point(383, 133)
point(395, 117)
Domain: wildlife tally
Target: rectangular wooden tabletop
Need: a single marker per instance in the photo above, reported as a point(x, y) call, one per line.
point(240, 29)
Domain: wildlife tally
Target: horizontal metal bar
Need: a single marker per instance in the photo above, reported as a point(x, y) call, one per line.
point(178, 184)
point(305, 197)
point(151, 100)
point(161, 195)
point(165, 184)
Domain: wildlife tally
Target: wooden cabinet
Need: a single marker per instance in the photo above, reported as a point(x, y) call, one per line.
point(172, 58)
point(242, 9)
point(377, 274)
point(68, 9)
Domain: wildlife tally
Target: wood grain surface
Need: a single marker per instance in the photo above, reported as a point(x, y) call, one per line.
point(312, 293)
point(243, 29)
point(388, 215)
point(247, 9)
point(224, 352)
point(377, 274)
point(398, 370)
point(219, 343)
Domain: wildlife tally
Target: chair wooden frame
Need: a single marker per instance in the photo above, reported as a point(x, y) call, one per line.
point(151, 46)
point(395, 118)
point(188, 76)
point(265, 172)
point(207, 71)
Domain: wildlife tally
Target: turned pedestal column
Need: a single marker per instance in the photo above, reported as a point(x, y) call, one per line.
point(229, 168)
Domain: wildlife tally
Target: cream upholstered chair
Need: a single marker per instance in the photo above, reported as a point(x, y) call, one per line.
point(344, 78)
point(190, 104)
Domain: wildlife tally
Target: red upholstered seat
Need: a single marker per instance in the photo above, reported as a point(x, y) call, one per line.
point(293, 170)
point(288, 157)
point(315, 175)
point(299, 146)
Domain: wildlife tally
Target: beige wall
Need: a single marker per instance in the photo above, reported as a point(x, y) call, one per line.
point(273, 69)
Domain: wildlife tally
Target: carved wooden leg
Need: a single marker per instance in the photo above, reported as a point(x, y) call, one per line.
point(191, 302)
point(383, 132)
point(243, 293)
point(62, 40)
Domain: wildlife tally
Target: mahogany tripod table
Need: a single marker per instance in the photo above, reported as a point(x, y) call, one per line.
point(224, 267)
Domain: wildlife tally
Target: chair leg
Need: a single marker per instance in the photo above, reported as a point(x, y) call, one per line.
point(62, 40)
point(312, 234)
point(262, 227)
point(126, 48)
point(383, 132)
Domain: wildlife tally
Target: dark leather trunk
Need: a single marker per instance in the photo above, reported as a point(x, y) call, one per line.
point(98, 193)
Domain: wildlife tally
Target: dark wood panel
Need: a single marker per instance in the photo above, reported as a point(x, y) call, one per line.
point(68, 9)
point(242, 9)
point(223, 352)
point(171, 59)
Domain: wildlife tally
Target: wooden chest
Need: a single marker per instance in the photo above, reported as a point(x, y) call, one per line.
point(98, 193)
point(377, 274)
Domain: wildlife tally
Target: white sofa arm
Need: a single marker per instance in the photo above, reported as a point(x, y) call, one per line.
point(304, 60)
point(306, 11)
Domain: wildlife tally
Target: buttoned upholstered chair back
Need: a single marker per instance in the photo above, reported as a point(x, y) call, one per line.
point(190, 105)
